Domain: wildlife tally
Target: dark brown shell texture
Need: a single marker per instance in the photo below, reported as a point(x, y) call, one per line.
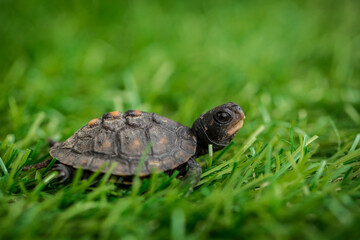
point(123, 138)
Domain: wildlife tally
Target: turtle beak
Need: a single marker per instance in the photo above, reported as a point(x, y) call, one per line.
point(240, 121)
point(242, 114)
point(239, 110)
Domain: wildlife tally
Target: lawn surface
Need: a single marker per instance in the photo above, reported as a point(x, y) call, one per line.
point(292, 172)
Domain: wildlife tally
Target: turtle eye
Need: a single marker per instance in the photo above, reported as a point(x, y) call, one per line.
point(223, 117)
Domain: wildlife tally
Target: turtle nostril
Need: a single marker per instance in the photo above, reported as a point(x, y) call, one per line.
point(239, 110)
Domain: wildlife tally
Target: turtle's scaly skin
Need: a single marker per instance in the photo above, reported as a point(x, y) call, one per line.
point(123, 138)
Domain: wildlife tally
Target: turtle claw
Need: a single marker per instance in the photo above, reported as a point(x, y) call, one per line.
point(65, 172)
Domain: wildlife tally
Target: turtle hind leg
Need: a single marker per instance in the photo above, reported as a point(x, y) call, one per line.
point(192, 176)
point(37, 165)
point(65, 172)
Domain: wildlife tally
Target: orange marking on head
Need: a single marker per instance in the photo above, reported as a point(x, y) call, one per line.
point(93, 122)
point(115, 114)
point(235, 128)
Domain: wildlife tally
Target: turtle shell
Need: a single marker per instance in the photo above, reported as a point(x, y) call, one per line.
point(122, 139)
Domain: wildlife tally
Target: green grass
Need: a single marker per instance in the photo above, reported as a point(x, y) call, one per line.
point(292, 171)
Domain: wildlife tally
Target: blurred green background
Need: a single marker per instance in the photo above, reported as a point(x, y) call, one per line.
point(287, 63)
point(75, 60)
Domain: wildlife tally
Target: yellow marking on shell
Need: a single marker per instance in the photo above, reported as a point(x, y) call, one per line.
point(135, 145)
point(154, 166)
point(235, 128)
point(163, 140)
point(143, 174)
point(136, 113)
point(115, 114)
point(107, 144)
point(93, 122)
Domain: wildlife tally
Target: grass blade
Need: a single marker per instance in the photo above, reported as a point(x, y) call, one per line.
point(3, 167)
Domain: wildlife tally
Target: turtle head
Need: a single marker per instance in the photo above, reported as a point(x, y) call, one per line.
point(218, 127)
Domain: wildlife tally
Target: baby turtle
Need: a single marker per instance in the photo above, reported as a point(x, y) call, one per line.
point(124, 137)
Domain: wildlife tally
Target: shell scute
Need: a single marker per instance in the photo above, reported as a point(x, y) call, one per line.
point(140, 121)
point(83, 161)
point(163, 140)
point(114, 125)
point(187, 146)
point(104, 143)
point(133, 142)
point(70, 142)
point(83, 145)
point(166, 122)
point(154, 164)
point(122, 168)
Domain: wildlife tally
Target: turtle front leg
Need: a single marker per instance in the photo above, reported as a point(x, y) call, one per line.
point(65, 172)
point(192, 176)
